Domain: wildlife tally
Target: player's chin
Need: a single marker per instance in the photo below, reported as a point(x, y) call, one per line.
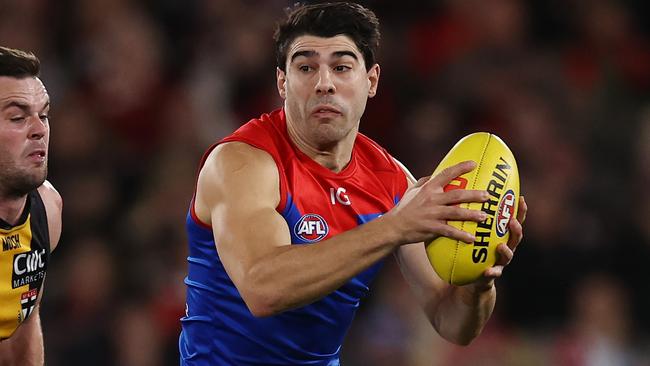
point(36, 177)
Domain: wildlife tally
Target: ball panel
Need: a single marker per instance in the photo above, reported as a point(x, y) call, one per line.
point(442, 264)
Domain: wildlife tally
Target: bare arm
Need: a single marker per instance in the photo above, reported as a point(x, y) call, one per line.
point(25, 347)
point(237, 193)
point(457, 313)
point(53, 208)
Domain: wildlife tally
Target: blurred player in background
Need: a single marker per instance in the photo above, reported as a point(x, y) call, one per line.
point(294, 213)
point(30, 208)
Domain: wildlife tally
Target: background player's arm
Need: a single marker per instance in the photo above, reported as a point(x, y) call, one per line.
point(458, 313)
point(25, 346)
point(53, 208)
point(238, 192)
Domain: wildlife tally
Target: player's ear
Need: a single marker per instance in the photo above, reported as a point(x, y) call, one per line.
point(281, 81)
point(373, 80)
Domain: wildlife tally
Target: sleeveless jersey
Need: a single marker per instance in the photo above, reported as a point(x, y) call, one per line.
point(23, 264)
point(316, 203)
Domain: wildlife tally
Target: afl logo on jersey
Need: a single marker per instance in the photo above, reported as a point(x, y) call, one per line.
point(311, 228)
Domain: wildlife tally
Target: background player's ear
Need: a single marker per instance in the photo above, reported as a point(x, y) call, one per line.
point(281, 80)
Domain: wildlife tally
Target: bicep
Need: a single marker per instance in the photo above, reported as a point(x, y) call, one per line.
point(239, 186)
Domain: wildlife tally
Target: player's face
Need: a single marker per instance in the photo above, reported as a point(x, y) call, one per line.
point(326, 87)
point(24, 134)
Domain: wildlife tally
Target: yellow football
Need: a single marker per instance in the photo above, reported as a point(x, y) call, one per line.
point(457, 262)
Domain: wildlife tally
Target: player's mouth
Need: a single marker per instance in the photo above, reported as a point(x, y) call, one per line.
point(38, 155)
point(325, 111)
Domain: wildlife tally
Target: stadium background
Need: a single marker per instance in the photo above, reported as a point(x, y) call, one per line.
point(141, 88)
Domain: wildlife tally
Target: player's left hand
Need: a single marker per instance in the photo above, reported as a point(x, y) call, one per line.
point(505, 252)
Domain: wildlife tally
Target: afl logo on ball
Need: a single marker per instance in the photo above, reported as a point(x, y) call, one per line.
point(311, 228)
point(504, 212)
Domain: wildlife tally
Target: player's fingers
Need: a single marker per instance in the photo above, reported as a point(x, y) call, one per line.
point(448, 174)
point(456, 213)
point(504, 255)
point(453, 233)
point(463, 195)
point(493, 272)
point(523, 209)
point(516, 234)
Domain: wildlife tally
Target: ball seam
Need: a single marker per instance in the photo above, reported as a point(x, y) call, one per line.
point(462, 225)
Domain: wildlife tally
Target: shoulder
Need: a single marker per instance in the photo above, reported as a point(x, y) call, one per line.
point(411, 179)
point(234, 156)
point(236, 173)
point(51, 197)
point(53, 208)
point(375, 155)
point(268, 133)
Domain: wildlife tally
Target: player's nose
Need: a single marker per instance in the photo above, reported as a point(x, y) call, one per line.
point(325, 84)
point(38, 128)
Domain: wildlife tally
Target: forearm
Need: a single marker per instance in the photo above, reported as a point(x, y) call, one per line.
point(296, 275)
point(463, 312)
point(25, 347)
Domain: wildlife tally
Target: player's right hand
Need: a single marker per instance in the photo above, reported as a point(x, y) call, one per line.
point(423, 212)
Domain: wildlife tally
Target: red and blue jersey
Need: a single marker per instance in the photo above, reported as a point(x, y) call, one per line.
point(316, 203)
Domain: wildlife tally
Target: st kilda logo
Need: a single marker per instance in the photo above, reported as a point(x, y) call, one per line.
point(311, 228)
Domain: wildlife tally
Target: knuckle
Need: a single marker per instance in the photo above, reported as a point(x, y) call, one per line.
point(448, 171)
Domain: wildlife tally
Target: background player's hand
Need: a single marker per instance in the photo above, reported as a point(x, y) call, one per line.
point(423, 212)
point(505, 252)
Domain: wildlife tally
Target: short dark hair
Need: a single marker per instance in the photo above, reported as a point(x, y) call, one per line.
point(329, 20)
point(18, 64)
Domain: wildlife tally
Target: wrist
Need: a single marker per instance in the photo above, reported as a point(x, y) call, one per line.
point(391, 229)
point(475, 292)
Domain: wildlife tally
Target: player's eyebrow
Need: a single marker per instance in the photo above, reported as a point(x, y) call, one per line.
point(312, 53)
point(22, 106)
point(12, 103)
point(340, 54)
point(306, 53)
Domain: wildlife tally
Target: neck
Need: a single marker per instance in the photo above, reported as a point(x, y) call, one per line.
point(11, 208)
point(334, 156)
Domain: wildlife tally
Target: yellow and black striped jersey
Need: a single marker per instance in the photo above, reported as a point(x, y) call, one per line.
point(23, 264)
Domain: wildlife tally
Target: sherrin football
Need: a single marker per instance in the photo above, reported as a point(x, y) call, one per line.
point(455, 261)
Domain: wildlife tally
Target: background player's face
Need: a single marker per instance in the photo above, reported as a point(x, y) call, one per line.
point(326, 87)
point(24, 134)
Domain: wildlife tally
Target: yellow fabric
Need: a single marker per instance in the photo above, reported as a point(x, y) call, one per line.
point(20, 266)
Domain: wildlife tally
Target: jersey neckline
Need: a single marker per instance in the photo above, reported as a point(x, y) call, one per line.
point(313, 165)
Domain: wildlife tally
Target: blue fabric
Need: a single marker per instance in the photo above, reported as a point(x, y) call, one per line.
point(218, 328)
